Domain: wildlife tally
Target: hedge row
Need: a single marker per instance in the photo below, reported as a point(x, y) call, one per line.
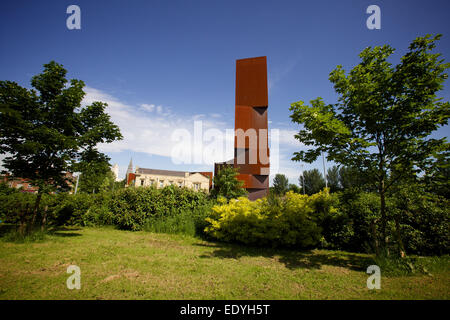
point(128, 208)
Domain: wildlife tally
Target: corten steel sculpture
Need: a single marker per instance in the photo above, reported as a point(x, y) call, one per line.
point(251, 150)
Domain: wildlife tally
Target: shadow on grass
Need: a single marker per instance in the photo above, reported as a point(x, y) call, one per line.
point(65, 232)
point(292, 259)
point(9, 232)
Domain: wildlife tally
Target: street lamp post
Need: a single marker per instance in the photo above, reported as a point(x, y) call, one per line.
point(76, 185)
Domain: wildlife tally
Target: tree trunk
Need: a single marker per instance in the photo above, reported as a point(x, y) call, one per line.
point(44, 218)
point(374, 236)
point(401, 247)
point(383, 214)
point(36, 208)
point(22, 223)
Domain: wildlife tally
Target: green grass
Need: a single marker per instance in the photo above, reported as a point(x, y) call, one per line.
point(141, 265)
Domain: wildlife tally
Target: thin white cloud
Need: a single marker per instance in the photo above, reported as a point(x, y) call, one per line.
point(278, 73)
point(148, 107)
point(150, 132)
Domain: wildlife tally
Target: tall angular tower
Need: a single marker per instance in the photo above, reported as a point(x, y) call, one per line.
point(251, 150)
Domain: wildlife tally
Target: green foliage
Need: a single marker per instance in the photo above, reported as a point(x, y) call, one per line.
point(6, 190)
point(313, 181)
point(351, 178)
point(395, 266)
point(128, 208)
point(437, 174)
point(133, 207)
point(18, 237)
point(72, 209)
point(16, 207)
point(333, 179)
point(423, 217)
point(44, 134)
point(291, 221)
point(280, 184)
point(96, 175)
point(384, 117)
point(424, 220)
point(189, 222)
point(294, 188)
point(351, 226)
point(227, 185)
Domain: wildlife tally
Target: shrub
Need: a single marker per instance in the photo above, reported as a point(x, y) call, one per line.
point(423, 218)
point(186, 221)
point(351, 226)
point(17, 208)
point(132, 208)
point(424, 221)
point(290, 221)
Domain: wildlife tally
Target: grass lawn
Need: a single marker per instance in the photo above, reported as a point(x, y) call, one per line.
point(138, 265)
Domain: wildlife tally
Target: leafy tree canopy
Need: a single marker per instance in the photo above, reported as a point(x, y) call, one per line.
point(227, 185)
point(280, 184)
point(45, 132)
point(384, 116)
point(313, 181)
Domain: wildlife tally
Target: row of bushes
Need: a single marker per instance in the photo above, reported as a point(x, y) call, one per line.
point(348, 221)
point(291, 221)
point(128, 209)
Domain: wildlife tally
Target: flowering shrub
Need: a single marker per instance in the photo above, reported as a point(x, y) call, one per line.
point(292, 220)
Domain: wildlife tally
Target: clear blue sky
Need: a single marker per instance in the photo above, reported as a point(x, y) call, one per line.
point(163, 64)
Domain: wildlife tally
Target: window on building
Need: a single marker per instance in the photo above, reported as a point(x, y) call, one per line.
point(180, 183)
point(196, 186)
point(161, 183)
point(142, 182)
point(171, 183)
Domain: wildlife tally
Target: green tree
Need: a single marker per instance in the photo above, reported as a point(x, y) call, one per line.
point(227, 185)
point(94, 168)
point(313, 180)
point(44, 131)
point(437, 174)
point(350, 177)
point(333, 179)
point(280, 184)
point(295, 188)
point(383, 119)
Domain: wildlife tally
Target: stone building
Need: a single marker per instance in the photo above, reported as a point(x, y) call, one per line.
point(161, 178)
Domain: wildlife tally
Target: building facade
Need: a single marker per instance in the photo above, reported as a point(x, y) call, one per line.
point(143, 177)
point(26, 186)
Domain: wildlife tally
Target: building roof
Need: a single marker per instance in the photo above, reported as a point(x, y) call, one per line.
point(160, 172)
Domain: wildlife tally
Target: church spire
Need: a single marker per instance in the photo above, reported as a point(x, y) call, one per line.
point(130, 167)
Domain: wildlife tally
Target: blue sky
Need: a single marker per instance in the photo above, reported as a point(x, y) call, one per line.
point(161, 65)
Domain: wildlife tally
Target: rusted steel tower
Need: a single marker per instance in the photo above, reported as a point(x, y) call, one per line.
point(251, 150)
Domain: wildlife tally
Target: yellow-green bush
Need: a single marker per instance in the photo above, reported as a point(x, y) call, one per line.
point(292, 220)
